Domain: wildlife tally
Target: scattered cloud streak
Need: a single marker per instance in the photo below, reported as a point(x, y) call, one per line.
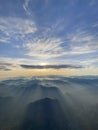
point(26, 7)
point(82, 42)
point(12, 63)
point(62, 32)
point(79, 43)
point(50, 66)
point(5, 66)
point(46, 48)
point(15, 28)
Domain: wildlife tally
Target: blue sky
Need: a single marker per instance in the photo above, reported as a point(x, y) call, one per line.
point(54, 32)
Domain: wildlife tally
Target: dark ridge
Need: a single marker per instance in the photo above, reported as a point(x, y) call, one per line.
point(45, 114)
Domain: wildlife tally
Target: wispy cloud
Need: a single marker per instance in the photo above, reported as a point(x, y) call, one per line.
point(92, 2)
point(4, 40)
point(45, 48)
point(46, 44)
point(79, 43)
point(95, 25)
point(83, 42)
point(6, 66)
point(16, 61)
point(13, 63)
point(15, 28)
point(26, 7)
point(56, 34)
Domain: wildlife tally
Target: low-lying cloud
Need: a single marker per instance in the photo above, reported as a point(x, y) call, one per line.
point(50, 66)
point(6, 66)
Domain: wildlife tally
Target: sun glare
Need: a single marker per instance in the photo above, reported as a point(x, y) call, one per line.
point(43, 63)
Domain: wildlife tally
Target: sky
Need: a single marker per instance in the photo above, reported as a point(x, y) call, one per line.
point(48, 37)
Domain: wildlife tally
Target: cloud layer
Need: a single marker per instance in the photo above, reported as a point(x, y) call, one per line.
point(15, 28)
point(62, 34)
point(50, 66)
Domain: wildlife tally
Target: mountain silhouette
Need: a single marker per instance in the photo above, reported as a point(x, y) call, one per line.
point(45, 114)
point(37, 92)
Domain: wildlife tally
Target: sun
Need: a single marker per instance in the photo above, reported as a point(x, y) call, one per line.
point(43, 64)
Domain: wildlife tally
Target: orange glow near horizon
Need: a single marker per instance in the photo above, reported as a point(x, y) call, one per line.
point(42, 72)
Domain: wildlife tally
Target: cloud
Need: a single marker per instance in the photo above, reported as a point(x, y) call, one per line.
point(13, 64)
point(4, 40)
point(45, 48)
point(5, 66)
point(15, 28)
point(79, 43)
point(16, 61)
point(8, 64)
point(92, 2)
point(95, 25)
point(83, 42)
point(50, 66)
point(49, 45)
point(45, 44)
point(26, 7)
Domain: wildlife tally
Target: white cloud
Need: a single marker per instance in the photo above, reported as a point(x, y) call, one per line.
point(26, 7)
point(92, 2)
point(95, 25)
point(17, 61)
point(7, 63)
point(82, 42)
point(45, 48)
point(4, 39)
point(12, 63)
point(45, 45)
point(86, 62)
point(16, 28)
